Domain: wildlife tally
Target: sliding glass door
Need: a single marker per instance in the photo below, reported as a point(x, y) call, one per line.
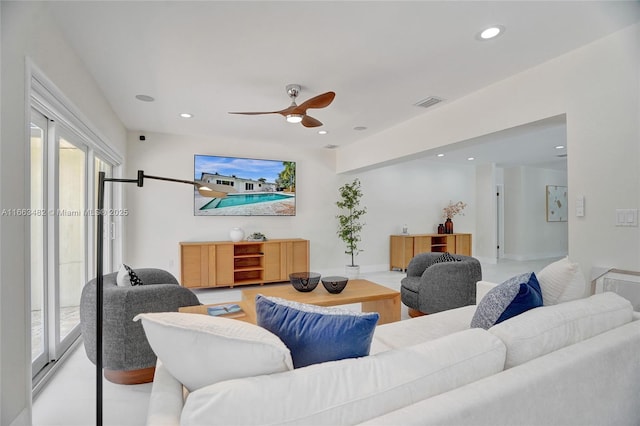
point(63, 179)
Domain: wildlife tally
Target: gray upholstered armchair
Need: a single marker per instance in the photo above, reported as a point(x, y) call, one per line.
point(127, 356)
point(433, 287)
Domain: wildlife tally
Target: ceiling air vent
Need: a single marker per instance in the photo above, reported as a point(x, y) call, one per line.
point(561, 156)
point(429, 102)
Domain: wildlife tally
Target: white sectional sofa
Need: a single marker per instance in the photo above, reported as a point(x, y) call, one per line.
point(574, 363)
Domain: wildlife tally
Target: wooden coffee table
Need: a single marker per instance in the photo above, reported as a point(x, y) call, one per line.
point(248, 309)
point(373, 298)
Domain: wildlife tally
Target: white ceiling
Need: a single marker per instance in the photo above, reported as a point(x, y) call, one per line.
point(381, 57)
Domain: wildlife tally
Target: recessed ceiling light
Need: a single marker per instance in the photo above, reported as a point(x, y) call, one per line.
point(440, 155)
point(322, 132)
point(186, 115)
point(471, 158)
point(560, 147)
point(145, 98)
point(331, 146)
point(491, 32)
point(360, 128)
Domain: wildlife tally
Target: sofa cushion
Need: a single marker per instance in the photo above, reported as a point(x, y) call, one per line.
point(316, 334)
point(351, 390)
point(561, 281)
point(199, 350)
point(548, 328)
point(421, 329)
point(513, 297)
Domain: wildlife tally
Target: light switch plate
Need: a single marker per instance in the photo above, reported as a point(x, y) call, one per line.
point(580, 206)
point(626, 217)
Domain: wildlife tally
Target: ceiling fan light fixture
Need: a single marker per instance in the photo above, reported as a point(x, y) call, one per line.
point(294, 118)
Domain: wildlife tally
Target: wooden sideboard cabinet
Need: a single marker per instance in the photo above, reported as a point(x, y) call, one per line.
point(404, 247)
point(227, 264)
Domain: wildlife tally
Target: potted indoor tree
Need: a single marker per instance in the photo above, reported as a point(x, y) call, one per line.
point(349, 223)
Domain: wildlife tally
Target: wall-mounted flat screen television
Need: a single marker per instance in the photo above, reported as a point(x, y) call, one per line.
point(257, 187)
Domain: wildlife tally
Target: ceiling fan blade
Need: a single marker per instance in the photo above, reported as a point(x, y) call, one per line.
point(310, 122)
point(292, 109)
point(255, 113)
point(320, 101)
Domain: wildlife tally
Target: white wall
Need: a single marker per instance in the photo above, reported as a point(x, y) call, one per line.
point(485, 238)
point(598, 88)
point(27, 32)
point(161, 214)
point(413, 193)
point(528, 235)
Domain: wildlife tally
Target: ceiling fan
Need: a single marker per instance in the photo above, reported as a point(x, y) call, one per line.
point(298, 113)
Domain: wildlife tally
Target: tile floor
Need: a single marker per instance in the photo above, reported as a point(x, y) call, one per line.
point(69, 398)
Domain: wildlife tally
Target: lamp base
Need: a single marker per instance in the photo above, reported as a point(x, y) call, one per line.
point(130, 377)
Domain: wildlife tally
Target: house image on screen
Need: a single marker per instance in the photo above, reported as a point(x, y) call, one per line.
point(240, 184)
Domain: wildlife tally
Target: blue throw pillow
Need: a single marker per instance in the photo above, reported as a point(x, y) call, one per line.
point(513, 297)
point(316, 334)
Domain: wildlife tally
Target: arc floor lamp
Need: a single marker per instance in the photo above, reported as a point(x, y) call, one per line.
point(204, 190)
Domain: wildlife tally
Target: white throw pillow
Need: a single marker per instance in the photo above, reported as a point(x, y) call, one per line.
point(200, 350)
point(123, 279)
point(561, 281)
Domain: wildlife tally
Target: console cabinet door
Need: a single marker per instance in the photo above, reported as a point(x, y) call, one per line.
point(296, 257)
point(273, 261)
point(463, 244)
point(402, 249)
point(421, 244)
point(195, 265)
point(221, 265)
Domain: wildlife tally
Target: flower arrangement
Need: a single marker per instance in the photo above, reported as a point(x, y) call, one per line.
point(453, 209)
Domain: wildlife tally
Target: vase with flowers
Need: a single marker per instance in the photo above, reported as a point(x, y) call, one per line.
point(449, 212)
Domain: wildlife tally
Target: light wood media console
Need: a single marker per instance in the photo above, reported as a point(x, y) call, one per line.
point(227, 264)
point(404, 247)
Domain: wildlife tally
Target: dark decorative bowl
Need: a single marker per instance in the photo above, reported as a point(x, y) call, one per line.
point(334, 285)
point(304, 281)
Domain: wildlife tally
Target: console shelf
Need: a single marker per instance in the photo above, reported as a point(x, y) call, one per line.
point(404, 247)
point(227, 264)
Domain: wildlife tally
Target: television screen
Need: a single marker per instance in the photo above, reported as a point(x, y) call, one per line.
point(257, 187)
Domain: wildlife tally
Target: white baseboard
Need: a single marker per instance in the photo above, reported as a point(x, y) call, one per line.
point(539, 256)
point(340, 271)
point(487, 260)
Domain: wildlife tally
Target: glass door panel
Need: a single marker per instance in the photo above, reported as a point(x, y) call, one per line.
point(71, 234)
point(38, 218)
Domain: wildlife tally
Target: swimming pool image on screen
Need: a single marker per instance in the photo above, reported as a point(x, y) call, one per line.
point(242, 199)
point(258, 187)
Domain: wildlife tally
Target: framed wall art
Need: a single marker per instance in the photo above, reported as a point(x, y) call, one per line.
point(557, 201)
